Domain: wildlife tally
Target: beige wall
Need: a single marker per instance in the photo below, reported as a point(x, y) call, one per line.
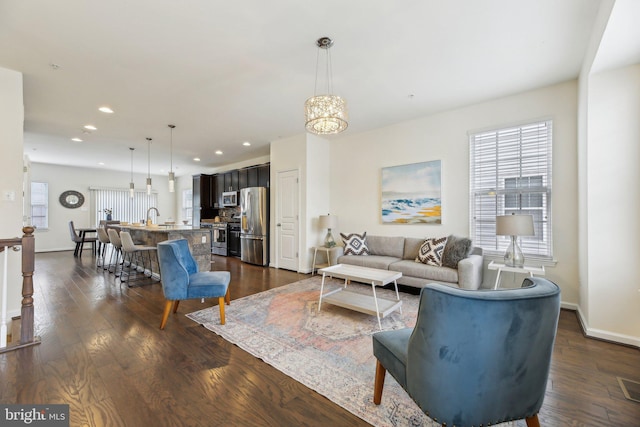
point(11, 163)
point(356, 162)
point(612, 185)
point(62, 178)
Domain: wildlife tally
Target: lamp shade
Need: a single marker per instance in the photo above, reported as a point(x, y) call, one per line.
point(328, 221)
point(514, 225)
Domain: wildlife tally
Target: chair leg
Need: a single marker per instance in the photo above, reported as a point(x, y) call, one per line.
point(175, 305)
point(165, 313)
point(379, 383)
point(533, 421)
point(227, 296)
point(221, 304)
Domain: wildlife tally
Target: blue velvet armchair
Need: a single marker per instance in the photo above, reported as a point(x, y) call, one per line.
point(181, 279)
point(474, 357)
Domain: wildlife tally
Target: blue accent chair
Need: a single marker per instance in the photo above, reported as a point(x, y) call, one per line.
point(181, 279)
point(474, 357)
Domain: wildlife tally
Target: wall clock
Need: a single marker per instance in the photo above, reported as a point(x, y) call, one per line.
point(71, 199)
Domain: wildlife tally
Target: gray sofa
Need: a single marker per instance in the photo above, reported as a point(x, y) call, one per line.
point(399, 254)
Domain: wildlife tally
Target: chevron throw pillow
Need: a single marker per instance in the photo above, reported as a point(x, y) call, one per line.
point(430, 252)
point(355, 244)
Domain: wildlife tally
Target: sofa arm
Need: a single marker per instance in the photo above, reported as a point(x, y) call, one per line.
point(470, 272)
point(336, 253)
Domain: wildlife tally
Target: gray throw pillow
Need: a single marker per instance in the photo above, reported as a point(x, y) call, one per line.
point(456, 250)
point(355, 244)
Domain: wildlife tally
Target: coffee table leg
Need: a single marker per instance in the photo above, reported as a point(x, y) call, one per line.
point(321, 291)
point(395, 283)
point(375, 299)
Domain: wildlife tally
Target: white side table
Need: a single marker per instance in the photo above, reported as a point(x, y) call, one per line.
point(327, 252)
point(522, 270)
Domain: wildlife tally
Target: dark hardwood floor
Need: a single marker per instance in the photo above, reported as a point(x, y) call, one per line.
point(103, 354)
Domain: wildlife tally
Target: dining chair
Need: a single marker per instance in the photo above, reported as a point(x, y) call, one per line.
point(80, 240)
point(474, 357)
point(181, 279)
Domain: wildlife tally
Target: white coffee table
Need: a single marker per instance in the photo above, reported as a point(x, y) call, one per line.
point(368, 304)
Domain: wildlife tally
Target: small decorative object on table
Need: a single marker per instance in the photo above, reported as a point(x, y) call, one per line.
point(109, 213)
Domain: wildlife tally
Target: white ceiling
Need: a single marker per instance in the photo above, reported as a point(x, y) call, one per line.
point(229, 72)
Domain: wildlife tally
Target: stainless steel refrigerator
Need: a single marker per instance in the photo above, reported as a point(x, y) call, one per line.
point(254, 225)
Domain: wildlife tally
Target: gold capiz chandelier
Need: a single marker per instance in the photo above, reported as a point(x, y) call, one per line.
point(325, 114)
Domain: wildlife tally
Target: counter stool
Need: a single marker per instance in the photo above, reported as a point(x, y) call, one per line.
point(114, 238)
point(131, 249)
point(103, 243)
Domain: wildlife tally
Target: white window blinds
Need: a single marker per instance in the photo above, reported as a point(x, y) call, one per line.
point(122, 206)
point(511, 173)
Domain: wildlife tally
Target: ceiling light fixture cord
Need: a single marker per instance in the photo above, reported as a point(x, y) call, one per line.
point(172, 176)
point(148, 166)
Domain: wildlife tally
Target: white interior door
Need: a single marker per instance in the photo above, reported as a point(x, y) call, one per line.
point(287, 213)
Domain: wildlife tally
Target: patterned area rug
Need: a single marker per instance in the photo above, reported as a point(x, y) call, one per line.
point(328, 351)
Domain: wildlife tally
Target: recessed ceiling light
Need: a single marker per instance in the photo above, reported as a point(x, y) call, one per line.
point(246, 143)
point(101, 163)
point(76, 139)
point(90, 127)
point(106, 109)
point(219, 153)
point(196, 159)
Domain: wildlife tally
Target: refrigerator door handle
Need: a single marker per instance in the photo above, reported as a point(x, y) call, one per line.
point(242, 236)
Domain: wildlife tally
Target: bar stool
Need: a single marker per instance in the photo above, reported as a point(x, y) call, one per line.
point(131, 249)
point(103, 240)
point(114, 238)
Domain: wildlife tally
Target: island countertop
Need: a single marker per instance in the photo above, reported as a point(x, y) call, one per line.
point(199, 239)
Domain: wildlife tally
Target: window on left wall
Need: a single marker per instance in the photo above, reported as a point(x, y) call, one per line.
point(40, 205)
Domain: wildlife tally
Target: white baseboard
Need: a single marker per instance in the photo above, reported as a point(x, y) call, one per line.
point(606, 335)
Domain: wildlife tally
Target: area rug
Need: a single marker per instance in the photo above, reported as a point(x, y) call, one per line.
point(329, 351)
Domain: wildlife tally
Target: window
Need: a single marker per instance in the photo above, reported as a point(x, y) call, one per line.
point(121, 205)
point(510, 172)
point(187, 204)
point(40, 205)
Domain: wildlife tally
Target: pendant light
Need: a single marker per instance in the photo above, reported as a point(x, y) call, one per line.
point(325, 114)
point(172, 176)
point(148, 166)
point(131, 186)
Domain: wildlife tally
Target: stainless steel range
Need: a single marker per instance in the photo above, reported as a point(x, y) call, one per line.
point(219, 237)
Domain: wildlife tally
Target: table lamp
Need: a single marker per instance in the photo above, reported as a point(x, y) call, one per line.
point(514, 226)
point(328, 222)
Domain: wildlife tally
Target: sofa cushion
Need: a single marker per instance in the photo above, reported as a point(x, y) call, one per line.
point(429, 273)
point(456, 250)
point(386, 246)
point(371, 261)
point(430, 252)
point(411, 247)
point(355, 244)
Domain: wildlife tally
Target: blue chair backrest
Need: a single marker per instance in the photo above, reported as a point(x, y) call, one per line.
point(478, 357)
point(176, 265)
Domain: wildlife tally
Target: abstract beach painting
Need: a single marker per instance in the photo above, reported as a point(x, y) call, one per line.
point(411, 194)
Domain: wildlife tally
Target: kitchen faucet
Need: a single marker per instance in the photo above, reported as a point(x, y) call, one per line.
point(149, 216)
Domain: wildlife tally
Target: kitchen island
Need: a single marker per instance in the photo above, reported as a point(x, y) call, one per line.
point(199, 239)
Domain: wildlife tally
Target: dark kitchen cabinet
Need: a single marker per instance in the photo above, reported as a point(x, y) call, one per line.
point(252, 177)
point(203, 193)
point(263, 175)
point(243, 178)
point(219, 180)
point(231, 180)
